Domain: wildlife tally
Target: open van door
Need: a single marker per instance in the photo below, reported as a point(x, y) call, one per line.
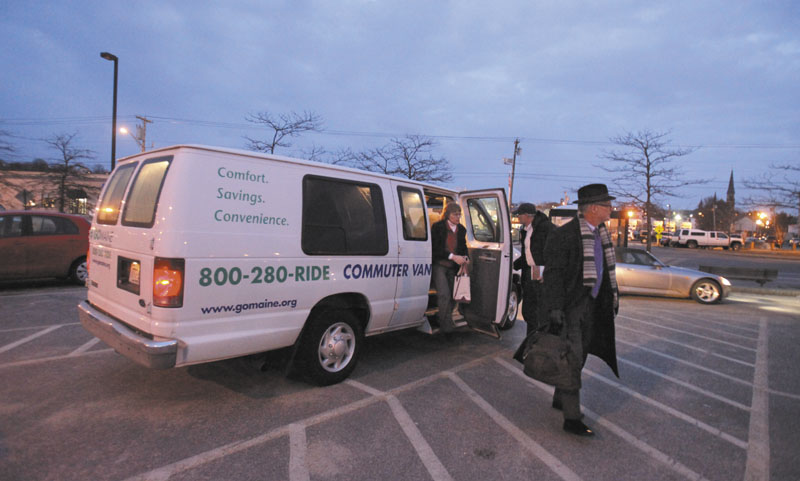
point(488, 223)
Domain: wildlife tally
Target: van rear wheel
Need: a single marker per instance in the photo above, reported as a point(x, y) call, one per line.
point(330, 348)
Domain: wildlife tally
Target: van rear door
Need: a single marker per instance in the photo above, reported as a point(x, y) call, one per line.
point(488, 224)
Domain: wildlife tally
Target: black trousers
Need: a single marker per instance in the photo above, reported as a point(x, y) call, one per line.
point(579, 326)
point(531, 301)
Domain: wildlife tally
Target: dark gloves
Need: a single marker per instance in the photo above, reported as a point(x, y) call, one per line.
point(556, 320)
point(519, 263)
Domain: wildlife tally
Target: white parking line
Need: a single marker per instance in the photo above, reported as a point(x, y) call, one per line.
point(22, 341)
point(526, 441)
point(706, 338)
point(651, 451)
point(88, 345)
point(688, 363)
point(687, 346)
point(758, 450)
point(29, 328)
point(714, 330)
point(686, 385)
point(165, 472)
point(42, 360)
point(298, 468)
point(432, 463)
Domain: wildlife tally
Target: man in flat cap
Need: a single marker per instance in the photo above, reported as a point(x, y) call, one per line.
point(581, 295)
point(535, 229)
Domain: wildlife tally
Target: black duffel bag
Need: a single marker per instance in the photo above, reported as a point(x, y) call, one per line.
point(546, 357)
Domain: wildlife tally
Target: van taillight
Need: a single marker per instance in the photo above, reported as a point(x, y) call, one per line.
point(168, 282)
point(88, 261)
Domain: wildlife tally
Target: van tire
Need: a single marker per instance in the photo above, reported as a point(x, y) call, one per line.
point(330, 347)
point(513, 309)
point(692, 244)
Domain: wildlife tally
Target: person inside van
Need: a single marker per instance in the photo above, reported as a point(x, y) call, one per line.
point(449, 253)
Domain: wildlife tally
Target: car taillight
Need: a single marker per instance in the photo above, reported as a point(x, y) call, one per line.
point(168, 282)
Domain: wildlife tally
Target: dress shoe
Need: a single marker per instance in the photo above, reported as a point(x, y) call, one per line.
point(557, 404)
point(575, 426)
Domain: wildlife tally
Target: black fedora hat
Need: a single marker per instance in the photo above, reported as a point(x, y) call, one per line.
point(592, 194)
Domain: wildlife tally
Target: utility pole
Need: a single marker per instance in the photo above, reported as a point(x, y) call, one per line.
point(141, 132)
point(517, 150)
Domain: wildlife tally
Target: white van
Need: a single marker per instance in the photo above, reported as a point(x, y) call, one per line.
point(200, 253)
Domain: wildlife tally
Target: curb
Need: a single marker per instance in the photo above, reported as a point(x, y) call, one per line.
point(766, 291)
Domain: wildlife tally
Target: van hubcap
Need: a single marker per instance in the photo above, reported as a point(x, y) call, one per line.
point(337, 347)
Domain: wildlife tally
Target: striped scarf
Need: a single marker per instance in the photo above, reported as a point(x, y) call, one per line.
point(589, 267)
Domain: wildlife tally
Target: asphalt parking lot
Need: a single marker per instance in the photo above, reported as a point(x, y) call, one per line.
point(706, 392)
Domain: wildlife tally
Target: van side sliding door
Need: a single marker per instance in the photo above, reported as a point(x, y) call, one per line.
point(486, 217)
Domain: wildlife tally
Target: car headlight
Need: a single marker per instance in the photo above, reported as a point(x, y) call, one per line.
point(725, 282)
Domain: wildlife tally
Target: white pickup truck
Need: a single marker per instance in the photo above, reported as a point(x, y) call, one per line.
point(694, 238)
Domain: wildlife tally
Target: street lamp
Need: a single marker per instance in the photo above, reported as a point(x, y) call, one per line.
point(113, 58)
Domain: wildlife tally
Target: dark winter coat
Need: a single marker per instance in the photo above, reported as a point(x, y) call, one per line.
point(564, 290)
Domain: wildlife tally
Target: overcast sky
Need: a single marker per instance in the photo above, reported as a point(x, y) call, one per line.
point(562, 76)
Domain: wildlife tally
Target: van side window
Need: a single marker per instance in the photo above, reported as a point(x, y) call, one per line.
point(484, 214)
point(343, 217)
point(140, 206)
point(413, 212)
point(110, 203)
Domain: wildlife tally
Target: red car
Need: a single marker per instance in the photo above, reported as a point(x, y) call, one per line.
point(37, 244)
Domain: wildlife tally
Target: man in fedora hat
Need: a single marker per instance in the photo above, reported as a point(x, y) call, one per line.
point(535, 229)
point(580, 293)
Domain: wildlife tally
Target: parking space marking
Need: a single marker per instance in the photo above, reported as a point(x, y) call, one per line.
point(643, 446)
point(88, 345)
point(726, 331)
point(669, 410)
point(688, 363)
point(22, 341)
point(687, 346)
point(163, 473)
point(706, 338)
point(685, 384)
point(432, 463)
point(758, 450)
point(298, 468)
point(426, 454)
point(54, 358)
point(30, 328)
point(552, 462)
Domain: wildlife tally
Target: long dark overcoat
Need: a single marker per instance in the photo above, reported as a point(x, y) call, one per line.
point(564, 290)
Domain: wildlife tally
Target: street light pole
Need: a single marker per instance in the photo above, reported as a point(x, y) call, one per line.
point(113, 58)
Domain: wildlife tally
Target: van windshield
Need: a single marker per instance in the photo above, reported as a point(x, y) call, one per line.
point(140, 207)
point(108, 212)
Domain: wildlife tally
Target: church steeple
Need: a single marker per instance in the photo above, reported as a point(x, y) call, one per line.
point(731, 200)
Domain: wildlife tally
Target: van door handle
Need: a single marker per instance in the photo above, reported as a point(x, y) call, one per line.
point(487, 258)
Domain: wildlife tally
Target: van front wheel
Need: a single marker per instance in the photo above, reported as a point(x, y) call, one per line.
point(330, 348)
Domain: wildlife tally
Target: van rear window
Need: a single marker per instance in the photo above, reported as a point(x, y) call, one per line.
point(343, 217)
point(108, 212)
point(142, 201)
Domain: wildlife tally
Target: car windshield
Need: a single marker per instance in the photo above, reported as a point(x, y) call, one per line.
point(637, 257)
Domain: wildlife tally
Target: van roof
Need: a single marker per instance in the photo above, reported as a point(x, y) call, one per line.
point(280, 158)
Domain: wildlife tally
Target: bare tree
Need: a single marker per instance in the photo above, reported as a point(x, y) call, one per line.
point(67, 169)
point(410, 156)
point(778, 188)
point(281, 128)
point(644, 169)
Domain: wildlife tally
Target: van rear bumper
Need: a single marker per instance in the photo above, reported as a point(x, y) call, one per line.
point(147, 352)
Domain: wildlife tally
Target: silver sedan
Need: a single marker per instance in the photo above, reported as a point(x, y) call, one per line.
point(639, 272)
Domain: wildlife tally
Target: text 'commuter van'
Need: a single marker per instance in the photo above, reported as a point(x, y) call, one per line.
point(199, 254)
